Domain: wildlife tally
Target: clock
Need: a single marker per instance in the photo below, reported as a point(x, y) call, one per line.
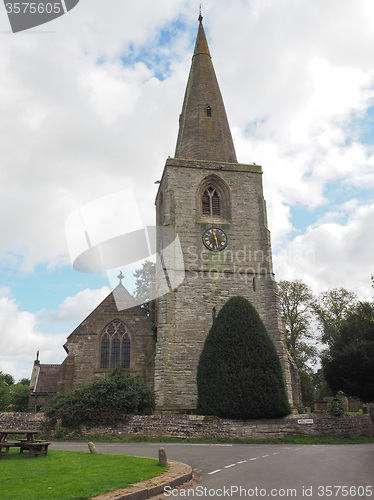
point(215, 239)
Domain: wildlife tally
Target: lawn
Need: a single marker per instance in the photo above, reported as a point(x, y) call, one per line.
point(70, 475)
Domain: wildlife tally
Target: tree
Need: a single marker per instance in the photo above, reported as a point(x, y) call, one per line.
point(145, 279)
point(348, 364)
point(239, 373)
point(4, 393)
point(19, 394)
point(9, 379)
point(296, 299)
point(307, 388)
point(322, 388)
point(331, 309)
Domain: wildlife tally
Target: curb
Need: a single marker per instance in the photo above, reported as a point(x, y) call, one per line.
point(177, 474)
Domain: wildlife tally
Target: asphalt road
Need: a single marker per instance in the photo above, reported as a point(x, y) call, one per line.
point(262, 471)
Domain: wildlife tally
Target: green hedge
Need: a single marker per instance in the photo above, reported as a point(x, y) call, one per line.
point(239, 373)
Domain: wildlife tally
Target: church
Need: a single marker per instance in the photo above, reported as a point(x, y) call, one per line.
point(215, 205)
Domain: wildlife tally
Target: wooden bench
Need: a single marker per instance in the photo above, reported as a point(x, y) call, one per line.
point(6, 446)
point(35, 449)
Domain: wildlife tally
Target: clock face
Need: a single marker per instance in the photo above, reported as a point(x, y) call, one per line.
point(215, 239)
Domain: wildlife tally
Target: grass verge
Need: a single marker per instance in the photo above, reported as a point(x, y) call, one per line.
point(299, 439)
point(71, 475)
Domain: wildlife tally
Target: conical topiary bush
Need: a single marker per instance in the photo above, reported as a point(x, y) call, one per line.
point(239, 373)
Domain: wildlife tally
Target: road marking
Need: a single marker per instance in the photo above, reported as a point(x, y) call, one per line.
point(215, 471)
point(244, 461)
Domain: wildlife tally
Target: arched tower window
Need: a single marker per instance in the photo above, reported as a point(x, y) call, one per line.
point(211, 206)
point(115, 346)
point(213, 199)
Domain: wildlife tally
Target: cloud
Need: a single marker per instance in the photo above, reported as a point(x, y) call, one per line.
point(20, 338)
point(75, 308)
point(85, 115)
point(331, 254)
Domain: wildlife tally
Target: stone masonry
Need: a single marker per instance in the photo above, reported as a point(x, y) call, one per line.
point(211, 278)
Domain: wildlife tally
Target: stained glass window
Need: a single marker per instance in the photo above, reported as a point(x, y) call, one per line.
point(104, 358)
point(115, 346)
point(126, 351)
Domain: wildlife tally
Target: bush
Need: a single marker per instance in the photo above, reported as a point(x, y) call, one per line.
point(239, 372)
point(105, 402)
point(336, 406)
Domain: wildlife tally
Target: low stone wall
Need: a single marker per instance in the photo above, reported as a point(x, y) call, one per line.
point(214, 427)
point(14, 420)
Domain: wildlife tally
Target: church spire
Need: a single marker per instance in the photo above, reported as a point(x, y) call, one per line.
point(204, 132)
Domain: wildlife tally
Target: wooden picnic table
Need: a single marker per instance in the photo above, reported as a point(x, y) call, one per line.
point(30, 434)
point(34, 447)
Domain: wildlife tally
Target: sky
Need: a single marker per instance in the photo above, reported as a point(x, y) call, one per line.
point(89, 107)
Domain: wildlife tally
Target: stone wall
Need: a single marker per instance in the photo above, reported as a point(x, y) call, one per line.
point(14, 420)
point(214, 427)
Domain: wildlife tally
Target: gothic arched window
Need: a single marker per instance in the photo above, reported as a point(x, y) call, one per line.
point(211, 206)
point(213, 200)
point(115, 346)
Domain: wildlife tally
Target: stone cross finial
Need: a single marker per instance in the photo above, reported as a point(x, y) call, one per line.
point(200, 18)
point(120, 277)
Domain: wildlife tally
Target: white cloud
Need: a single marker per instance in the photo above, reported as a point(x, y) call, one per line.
point(331, 254)
point(20, 339)
point(75, 308)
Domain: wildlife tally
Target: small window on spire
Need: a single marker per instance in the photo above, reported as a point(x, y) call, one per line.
point(208, 111)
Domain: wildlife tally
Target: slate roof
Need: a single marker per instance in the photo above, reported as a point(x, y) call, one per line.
point(47, 379)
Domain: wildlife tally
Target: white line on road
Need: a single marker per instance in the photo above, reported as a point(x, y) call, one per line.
point(253, 458)
point(228, 466)
point(243, 462)
point(215, 471)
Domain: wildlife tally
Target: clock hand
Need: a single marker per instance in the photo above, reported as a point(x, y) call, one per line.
point(215, 237)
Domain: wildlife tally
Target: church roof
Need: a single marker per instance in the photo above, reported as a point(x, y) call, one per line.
point(47, 378)
point(204, 132)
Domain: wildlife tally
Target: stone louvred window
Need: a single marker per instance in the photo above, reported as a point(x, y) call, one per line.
point(211, 206)
point(115, 346)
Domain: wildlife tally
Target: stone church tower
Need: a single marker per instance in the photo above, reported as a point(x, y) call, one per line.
point(216, 207)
